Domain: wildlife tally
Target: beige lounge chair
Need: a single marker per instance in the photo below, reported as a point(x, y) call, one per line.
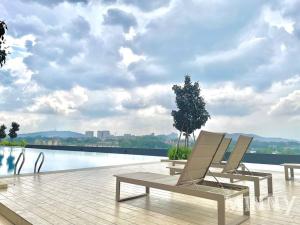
point(217, 161)
point(219, 156)
point(231, 168)
point(191, 181)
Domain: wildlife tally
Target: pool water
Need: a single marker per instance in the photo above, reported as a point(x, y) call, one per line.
point(64, 160)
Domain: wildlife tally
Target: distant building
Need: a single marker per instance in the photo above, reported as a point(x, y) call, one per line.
point(127, 136)
point(89, 133)
point(103, 134)
point(52, 142)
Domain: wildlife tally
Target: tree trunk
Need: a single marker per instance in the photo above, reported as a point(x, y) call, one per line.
point(179, 140)
point(194, 136)
point(187, 138)
point(187, 141)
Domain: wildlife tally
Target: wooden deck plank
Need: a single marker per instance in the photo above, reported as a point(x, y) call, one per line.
point(87, 197)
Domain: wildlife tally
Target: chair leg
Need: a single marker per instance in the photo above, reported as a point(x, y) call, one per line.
point(246, 204)
point(270, 186)
point(257, 190)
point(286, 172)
point(243, 167)
point(221, 212)
point(118, 187)
point(118, 190)
point(172, 172)
point(292, 172)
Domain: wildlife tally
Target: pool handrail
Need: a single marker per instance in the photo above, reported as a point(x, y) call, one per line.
point(41, 164)
point(17, 162)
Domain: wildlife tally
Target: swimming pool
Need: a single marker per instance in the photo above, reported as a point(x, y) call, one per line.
point(56, 160)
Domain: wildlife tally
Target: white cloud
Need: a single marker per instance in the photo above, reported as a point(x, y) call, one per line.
point(153, 112)
point(28, 121)
point(130, 34)
point(275, 18)
point(18, 45)
point(19, 70)
point(128, 56)
point(230, 99)
point(281, 89)
point(289, 105)
point(223, 56)
point(68, 65)
point(60, 102)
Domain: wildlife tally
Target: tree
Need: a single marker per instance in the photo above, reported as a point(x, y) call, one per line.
point(3, 48)
point(13, 130)
point(191, 114)
point(2, 131)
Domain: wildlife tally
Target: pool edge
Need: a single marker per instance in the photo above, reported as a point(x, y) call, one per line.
point(79, 169)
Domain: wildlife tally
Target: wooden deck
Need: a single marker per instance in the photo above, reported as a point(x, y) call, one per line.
point(87, 197)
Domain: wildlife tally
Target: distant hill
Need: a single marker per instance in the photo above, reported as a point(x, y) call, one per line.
point(171, 136)
point(235, 136)
point(52, 134)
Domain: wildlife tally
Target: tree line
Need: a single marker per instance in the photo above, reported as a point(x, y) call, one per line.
point(15, 127)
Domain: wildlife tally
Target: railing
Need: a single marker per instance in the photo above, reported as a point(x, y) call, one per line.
point(274, 159)
point(41, 164)
point(22, 154)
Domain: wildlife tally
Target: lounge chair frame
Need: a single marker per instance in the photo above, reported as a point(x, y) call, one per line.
point(175, 162)
point(184, 189)
point(231, 171)
point(240, 175)
point(255, 177)
point(191, 181)
point(290, 167)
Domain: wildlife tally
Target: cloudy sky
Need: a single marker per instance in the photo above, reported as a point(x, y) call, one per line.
point(110, 64)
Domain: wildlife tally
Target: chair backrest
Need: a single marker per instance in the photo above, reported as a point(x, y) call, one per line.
point(221, 150)
point(238, 153)
point(201, 157)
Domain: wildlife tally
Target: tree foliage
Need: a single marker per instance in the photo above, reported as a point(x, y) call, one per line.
point(2, 131)
point(3, 48)
point(191, 114)
point(13, 130)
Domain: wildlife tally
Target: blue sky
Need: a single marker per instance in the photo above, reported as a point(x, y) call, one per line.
point(110, 64)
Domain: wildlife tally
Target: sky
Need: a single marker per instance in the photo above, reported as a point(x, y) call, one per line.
point(111, 64)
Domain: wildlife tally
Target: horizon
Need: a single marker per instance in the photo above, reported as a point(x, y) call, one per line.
point(101, 65)
point(156, 134)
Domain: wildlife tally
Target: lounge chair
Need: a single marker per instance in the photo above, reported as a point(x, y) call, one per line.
point(219, 156)
point(232, 172)
point(217, 161)
point(191, 181)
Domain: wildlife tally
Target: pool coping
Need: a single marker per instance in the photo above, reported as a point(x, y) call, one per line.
point(75, 170)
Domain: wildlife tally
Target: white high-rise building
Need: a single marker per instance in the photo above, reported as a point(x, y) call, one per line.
point(89, 133)
point(103, 134)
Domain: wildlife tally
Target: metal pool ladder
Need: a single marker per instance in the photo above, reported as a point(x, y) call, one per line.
point(22, 154)
point(41, 164)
